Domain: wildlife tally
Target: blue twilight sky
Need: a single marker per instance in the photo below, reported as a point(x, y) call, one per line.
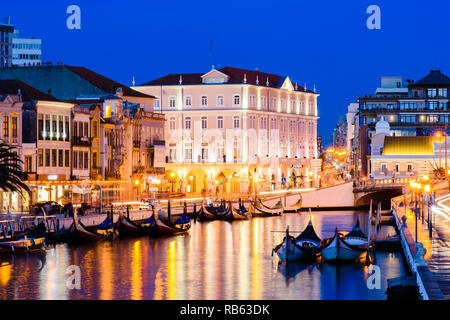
point(325, 43)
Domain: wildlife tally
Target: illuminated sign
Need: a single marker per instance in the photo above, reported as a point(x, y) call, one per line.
point(52, 177)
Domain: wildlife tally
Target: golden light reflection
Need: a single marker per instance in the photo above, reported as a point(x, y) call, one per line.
point(171, 271)
point(256, 263)
point(105, 271)
point(244, 270)
point(5, 273)
point(136, 269)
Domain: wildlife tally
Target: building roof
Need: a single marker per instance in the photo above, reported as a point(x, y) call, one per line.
point(68, 82)
point(403, 146)
point(28, 93)
point(236, 76)
point(106, 84)
point(434, 78)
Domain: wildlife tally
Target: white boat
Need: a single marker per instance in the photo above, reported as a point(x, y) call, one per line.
point(305, 246)
point(350, 247)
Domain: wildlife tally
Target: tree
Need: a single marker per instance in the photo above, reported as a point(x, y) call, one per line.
point(11, 173)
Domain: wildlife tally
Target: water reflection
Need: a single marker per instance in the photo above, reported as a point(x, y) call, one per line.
point(217, 260)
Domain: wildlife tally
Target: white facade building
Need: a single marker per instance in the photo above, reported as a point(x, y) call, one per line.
point(234, 130)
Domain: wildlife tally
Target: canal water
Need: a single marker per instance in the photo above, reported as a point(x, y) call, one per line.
point(216, 260)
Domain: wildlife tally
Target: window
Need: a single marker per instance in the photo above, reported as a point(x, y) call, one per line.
point(204, 101)
point(86, 160)
point(54, 156)
point(253, 101)
point(94, 160)
point(80, 159)
point(188, 101)
point(41, 126)
point(220, 100)
point(60, 158)
point(14, 127)
point(47, 157)
point(236, 100)
point(252, 122)
point(442, 92)
point(433, 105)
point(172, 123)
point(67, 158)
point(40, 158)
point(383, 168)
point(204, 123)
point(220, 122)
point(397, 168)
point(172, 154)
point(410, 167)
point(156, 104)
point(54, 128)
point(67, 135)
point(431, 92)
point(94, 129)
point(29, 163)
point(273, 123)
point(187, 123)
point(236, 124)
point(274, 103)
point(188, 152)
point(86, 130)
point(263, 123)
point(5, 126)
point(205, 153)
point(264, 101)
point(172, 102)
point(75, 159)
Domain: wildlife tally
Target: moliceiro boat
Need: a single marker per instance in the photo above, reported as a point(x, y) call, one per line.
point(142, 227)
point(257, 211)
point(340, 247)
point(303, 247)
point(166, 226)
point(105, 230)
point(10, 242)
point(235, 214)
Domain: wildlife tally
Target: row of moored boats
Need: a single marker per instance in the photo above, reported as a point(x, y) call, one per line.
point(32, 238)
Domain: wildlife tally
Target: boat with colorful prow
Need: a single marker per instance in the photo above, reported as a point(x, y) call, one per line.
point(12, 242)
point(257, 209)
point(209, 212)
point(235, 214)
point(105, 230)
point(166, 226)
point(349, 247)
point(305, 246)
point(141, 227)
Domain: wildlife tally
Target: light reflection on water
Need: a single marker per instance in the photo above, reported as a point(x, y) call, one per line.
point(216, 260)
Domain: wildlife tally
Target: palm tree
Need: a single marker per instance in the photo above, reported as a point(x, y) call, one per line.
point(11, 173)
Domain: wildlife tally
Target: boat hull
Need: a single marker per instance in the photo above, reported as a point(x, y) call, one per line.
point(22, 245)
point(339, 250)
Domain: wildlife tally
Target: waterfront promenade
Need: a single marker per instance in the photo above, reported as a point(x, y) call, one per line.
point(433, 232)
